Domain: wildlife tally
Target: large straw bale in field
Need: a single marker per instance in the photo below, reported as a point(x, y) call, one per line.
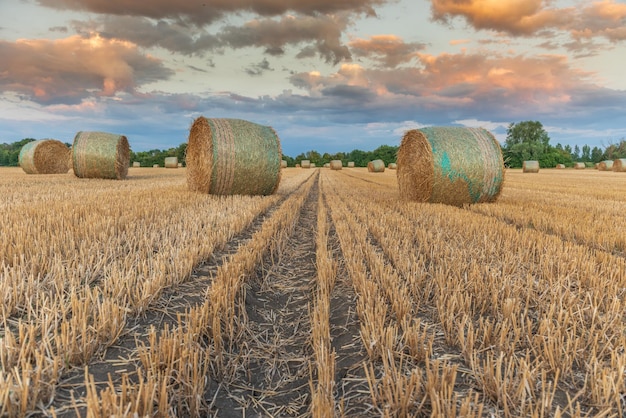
point(283, 164)
point(350, 164)
point(579, 166)
point(232, 156)
point(619, 165)
point(45, 156)
point(305, 164)
point(530, 166)
point(376, 166)
point(336, 165)
point(170, 162)
point(560, 166)
point(451, 165)
point(392, 166)
point(100, 155)
point(606, 165)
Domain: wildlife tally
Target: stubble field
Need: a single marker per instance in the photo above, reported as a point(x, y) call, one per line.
point(332, 297)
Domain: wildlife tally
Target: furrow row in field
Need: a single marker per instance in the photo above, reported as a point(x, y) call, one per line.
point(510, 298)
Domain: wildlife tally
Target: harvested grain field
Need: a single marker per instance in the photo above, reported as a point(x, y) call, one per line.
point(331, 297)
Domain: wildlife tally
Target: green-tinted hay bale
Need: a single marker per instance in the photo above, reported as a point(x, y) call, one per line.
point(619, 165)
point(560, 166)
point(326, 165)
point(451, 165)
point(350, 164)
point(155, 166)
point(305, 164)
point(45, 156)
point(232, 156)
point(606, 165)
point(171, 162)
point(283, 164)
point(392, 166)
point(100, 155)
point(579, 166)
point(336, 165)
point(376, 166)
point(136, 164)
point(530, 166)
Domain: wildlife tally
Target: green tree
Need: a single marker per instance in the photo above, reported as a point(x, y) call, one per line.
point(596, 155)
point(526, 140)
point(586, 153)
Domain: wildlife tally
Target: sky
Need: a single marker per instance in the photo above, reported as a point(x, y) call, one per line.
point(327, 75)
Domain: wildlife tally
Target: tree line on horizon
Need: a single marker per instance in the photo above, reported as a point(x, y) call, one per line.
point(525, 141)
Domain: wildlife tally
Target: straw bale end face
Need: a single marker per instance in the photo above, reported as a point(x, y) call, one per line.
point(45, 156)
point(170, 162)
point(376, 166)
point(232, 156)
point(450, 165)
point(530, 166)
point(100, 155)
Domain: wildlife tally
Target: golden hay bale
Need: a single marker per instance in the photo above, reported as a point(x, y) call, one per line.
point(297, 165)
point(619, 165)
point(392, 166)
point(336, 165)
point(376, 166)
point(606, 165)
point(313, 165)
point(326, 165)
point(305, 164)
point(45, 156)
point(136, 164)
point(530, 166)
point(560, 166)
point(579, 166)
point(180, 165)
point(100, 155)
point(155, 166)
point(451, 165)
point(171, 162)
point(232, 156)
point(350, 164)
point(283, 164)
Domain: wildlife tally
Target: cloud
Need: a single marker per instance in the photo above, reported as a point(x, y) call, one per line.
point(259, 68)
point(71, 69)
point(389, 50)
point(201, 12)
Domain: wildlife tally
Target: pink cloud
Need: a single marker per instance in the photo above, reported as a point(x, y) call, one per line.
point(389, 50)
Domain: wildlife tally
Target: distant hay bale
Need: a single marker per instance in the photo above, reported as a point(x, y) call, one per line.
point(100, 155)
point(180, 165)
point(451, 165)
point(560, 166)
point(283, 164)
point(376, 166)
point(606, 165)
point(579, 166)
point(232, 156)
point(136, 164)
point(313, 165)
point(336, 165)
point(45, 156)
point(350, 164)
point(619, 165)
point(596, 165)
point(305, 164)
point(530, 166)
point(155, 166)
point(171, 162)
point(326, 165)
point(392, 166)
point(297, 165)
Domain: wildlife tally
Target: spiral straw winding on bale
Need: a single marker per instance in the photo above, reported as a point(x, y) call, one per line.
point(451, 165)
point(336, 165)
point(232, 156)
point(606, 165)
point(100, 155)
point(170, 162)
point(392, 166)
point(619, 165)
point(560, 166)
point(350, 164)
point(530, 166)
point(45, 156)
point(579, 166)
point(376, 166)
point(305, 164)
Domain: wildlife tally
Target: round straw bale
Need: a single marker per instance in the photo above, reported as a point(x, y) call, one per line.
point(392, 166)
point(530, 166)
point(136, 164)
point(180, 165)
point(336, 165)
point(155, 166)
point(350, 164)
point(560, 166)
point(100, 155)
point(326, 165)
point(283, 164)
point(232, 156)
point(45, 156)
point(313, 165)
point(579, 166)
point(171, 162)
point(297, 165)
point(606, 165)
point(619, 165)
point(305, 164)
point(376, 166)
point(451, 165)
